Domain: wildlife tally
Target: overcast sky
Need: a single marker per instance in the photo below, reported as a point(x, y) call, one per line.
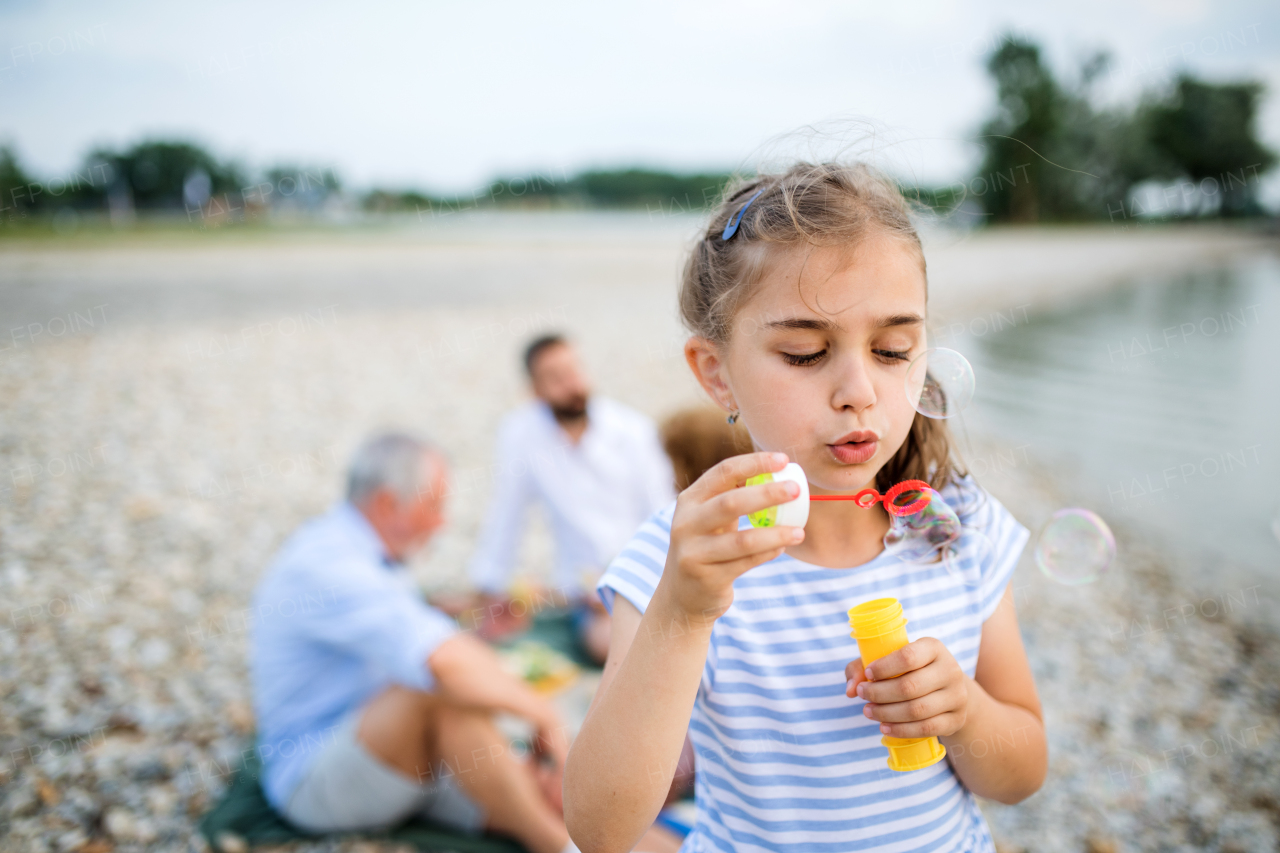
point(445, 96)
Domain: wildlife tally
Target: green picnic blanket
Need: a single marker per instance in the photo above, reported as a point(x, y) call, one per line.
point(244, 814)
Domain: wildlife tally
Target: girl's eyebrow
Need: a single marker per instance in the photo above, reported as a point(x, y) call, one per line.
point(818, 324)
point(899, 320)
point(814, 324)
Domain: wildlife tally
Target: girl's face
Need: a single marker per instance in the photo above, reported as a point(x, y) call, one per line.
point(817, 359)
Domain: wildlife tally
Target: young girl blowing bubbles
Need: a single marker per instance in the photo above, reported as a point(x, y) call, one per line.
point(805, 317)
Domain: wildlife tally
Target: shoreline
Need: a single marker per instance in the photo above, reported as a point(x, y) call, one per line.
point(1044, 267)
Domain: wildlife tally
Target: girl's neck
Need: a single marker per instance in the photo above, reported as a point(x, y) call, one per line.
point(841, 535)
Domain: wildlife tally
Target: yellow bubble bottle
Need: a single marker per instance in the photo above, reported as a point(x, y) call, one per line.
point(880, 628)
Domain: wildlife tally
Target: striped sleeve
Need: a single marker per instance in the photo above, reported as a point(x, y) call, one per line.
point(635, 571)
point(1007, 537)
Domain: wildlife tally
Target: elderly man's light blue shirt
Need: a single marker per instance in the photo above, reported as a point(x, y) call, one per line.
point(335, 623)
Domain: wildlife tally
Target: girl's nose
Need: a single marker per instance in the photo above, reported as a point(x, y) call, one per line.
point(853, 388)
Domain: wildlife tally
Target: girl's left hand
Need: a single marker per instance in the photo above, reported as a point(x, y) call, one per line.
point(917, 691)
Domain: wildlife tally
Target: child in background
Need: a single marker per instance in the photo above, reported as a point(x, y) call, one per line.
point(698, 438)
point(806, 301)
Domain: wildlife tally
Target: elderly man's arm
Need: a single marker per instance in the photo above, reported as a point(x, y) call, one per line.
point(366, 613)
point(467, 672)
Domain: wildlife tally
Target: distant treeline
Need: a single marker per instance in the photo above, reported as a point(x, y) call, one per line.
point(651, 189)
point(183, 178)
point(161, 176)
point(1050, 153)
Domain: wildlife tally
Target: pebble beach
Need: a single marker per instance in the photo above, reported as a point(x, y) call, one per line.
point(175, 405)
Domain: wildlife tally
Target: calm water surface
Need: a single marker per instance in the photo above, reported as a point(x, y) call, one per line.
point(1159, 402)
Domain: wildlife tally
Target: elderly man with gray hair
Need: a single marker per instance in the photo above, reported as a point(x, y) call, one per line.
point(372, 706)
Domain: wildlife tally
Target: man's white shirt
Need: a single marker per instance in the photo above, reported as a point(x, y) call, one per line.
point(596, 492)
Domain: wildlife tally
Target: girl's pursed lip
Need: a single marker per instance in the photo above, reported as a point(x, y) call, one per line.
point(857, 436)
point(854, 454)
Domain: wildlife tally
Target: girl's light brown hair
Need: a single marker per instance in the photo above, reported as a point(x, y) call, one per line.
point(811, 205)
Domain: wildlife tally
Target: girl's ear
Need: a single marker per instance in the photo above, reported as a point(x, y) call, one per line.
point(704, 360)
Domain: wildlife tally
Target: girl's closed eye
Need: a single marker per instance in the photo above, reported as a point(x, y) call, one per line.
point(803, 359)
point(806, 359)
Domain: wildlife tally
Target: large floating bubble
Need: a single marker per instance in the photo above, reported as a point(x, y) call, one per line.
point(934, 532)
point(940, 383)
point(1075, 547)
point(921, 534)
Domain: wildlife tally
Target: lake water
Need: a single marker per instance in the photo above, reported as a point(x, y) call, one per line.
point(1160, 404)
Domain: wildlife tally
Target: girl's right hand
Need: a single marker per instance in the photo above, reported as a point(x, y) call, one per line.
point(707, 550)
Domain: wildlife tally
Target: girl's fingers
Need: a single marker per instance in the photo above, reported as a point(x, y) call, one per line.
point(910, 657)
point(727, 547)
point(903, 688)
point(853, 672)
point(733, 568)
point(725, 509)
point(920, 708)
point(941, 725)
point(733, 472)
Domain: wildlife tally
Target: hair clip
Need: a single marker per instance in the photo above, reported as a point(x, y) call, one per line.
point(731, 227)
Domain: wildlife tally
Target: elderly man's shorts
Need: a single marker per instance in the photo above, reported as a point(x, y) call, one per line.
point(347, 789)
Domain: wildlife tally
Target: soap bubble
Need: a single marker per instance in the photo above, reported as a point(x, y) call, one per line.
point(1075, 547)
point(919, 535)
point(940, 383)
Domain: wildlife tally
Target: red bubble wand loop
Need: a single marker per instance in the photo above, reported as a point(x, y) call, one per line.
point(868, 498)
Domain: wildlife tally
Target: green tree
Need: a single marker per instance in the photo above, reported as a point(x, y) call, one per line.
point(1098, 154)
point(154, 172)
point(611, 188)
point(1030, 108)
point(1206, 133)
point(1050, 153)
point(318, 179)
point(15, 185)
point(655, 189)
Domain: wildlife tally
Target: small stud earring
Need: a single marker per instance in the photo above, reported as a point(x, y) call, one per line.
point(733, 417)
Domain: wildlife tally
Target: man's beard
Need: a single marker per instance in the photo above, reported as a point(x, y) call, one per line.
point(575, 408)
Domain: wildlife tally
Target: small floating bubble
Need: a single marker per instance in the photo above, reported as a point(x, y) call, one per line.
point(1075, 547)
point(940, 383)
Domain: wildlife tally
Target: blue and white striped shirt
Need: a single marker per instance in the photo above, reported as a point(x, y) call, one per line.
point(785, 761)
